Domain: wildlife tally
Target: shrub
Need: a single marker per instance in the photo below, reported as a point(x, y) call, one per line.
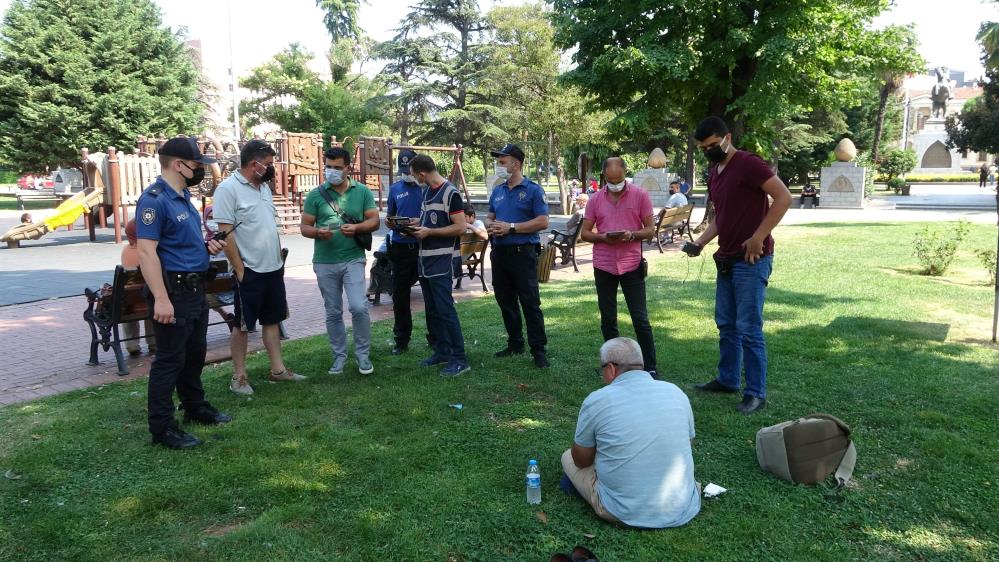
point(895, 163)
point(896, 184)
point(864, 160)
point(935, 248)
point(941, 178)
point(988, 259)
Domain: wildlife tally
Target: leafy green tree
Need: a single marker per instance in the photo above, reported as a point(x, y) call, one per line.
point(90, 73)
point(539, 111)
point(294, 97)
point(340, 18)
point(467, 113)
point(893, 54)
point(974, 129)
point(751, 62)
point(406, 77)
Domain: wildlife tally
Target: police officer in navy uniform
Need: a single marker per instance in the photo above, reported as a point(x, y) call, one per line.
point(518, 211)
point(174, 260)
point(404, 200)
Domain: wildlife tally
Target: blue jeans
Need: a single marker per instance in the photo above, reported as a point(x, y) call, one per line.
point(443, 317)
point(739, 315)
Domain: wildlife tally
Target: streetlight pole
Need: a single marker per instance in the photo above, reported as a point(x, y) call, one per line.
point(232, 77)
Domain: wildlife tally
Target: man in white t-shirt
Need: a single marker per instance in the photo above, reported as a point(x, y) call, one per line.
point(631, 458)
point(676, 199)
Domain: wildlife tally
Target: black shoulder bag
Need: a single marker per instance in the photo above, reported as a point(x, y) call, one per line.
point(362, 239)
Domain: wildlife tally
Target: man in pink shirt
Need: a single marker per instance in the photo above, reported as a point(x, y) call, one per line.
point(622, 213)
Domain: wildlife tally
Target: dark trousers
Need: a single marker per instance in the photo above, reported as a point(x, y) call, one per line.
point(405, 260)
point(180, 356)
point(633, 286)
point(515, 279)
point(450, 343)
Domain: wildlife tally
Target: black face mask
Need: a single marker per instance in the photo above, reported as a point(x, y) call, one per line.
point(197, 175)
point(715, 154)
point(268, 174)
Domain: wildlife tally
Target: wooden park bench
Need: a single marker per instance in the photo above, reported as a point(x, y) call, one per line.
point(565, 243)
point(473, 255)
point(673, 222)
point(24, 195)
point(123, 302)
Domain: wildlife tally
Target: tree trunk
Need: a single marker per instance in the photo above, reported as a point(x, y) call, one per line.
point(879, 123)
point(689, 167)
point(556, 149)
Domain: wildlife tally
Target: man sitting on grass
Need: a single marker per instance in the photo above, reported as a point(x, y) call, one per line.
point(631, 458)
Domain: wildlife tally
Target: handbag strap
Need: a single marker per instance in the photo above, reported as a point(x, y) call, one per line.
point(845, 469)
point(329, 199)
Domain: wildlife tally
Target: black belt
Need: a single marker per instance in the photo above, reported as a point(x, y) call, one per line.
point(186, 280)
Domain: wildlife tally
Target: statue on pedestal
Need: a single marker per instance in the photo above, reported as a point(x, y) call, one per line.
point(942, 92)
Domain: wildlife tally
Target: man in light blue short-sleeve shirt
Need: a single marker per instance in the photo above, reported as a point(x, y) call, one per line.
point(631, 458)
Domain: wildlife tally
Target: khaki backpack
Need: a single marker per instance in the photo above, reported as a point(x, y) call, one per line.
point(807, 450)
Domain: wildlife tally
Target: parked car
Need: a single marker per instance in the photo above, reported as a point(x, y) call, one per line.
point(29, 181)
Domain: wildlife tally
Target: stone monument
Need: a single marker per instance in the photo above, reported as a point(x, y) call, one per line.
point(930, 143)
point(842, 183)
point(655, 178)
point(942, 92)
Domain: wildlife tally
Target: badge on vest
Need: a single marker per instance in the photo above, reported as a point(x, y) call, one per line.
point(148, 216)
point(433, 218)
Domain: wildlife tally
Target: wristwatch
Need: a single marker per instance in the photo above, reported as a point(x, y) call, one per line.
point(513, 228)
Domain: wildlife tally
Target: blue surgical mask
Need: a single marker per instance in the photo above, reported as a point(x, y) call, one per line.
point(334, 176)
point(408, 178)
point(502, 172)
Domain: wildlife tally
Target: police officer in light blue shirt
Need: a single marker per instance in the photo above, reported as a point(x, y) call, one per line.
point(404, 200)
point(174, 260)
point(518, 211)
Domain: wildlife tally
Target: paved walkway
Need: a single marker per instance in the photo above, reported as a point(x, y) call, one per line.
point(45, 343)
point(49, 342)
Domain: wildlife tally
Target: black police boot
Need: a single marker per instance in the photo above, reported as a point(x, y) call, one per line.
point(509, 350)
point(174, 438)
point(540, 359)
point(206, 415)
point(400, 348)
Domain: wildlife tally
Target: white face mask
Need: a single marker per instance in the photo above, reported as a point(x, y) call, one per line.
point(334, 176)
point(408, 178)
point(615, 187)
point(502, 172)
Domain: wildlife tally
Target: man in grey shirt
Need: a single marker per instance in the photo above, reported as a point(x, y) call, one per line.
point(631, 458)
point(254, 252)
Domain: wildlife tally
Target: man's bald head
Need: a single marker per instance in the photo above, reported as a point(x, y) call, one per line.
point(614, 169)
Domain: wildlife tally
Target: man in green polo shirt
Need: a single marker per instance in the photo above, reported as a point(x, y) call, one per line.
point(338, 261)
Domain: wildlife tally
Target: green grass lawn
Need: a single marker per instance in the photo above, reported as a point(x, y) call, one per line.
point(9, 203)
point(380, 468)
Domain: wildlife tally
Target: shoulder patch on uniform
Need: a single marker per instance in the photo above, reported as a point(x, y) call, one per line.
point(148, 216)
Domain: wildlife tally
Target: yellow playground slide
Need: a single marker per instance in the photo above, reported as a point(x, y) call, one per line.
point(65, 214)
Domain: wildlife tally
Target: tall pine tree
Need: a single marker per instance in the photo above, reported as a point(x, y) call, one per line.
point(93, 73)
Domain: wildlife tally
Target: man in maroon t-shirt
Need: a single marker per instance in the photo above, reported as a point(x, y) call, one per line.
point(740, 185)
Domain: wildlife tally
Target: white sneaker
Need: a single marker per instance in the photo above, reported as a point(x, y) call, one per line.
point(240, 386)
point(364, 366)
point(338, 364)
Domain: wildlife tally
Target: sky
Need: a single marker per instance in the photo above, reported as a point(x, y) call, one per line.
point(261, 28)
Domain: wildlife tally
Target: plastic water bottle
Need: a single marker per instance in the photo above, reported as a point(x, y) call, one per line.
point(533, 483)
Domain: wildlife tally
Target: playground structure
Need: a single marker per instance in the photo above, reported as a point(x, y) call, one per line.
point(113, 180)
point(65, 214)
